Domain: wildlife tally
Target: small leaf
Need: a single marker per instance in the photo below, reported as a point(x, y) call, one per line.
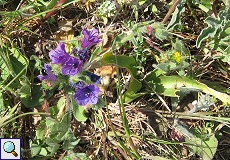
point(204, 35)
point(79, 113)
point(176, 16)
point(206, 148)
point(43, 152)
point(35, 149)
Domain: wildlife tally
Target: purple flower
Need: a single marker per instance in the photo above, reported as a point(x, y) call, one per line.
point(71, 67)
point(59, 54)
point(49, 74)
point(93, 77)
point(83, 55)
point(79, 84)
point(74, 50)
point(87, 95)
point(90, 38)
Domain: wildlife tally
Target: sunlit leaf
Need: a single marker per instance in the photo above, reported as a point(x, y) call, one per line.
point(79, 113)
point(171, 85)
point(129, 63)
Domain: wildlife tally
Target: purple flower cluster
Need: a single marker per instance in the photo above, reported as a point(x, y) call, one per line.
point(86, 94)
point(70, 66)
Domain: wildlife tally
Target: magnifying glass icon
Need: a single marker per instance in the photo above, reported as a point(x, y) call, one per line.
point(9, 147)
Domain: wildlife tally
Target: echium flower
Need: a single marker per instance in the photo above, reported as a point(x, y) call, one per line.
point(59, 54)
point(87, 95)
point(93, 77)
point(71, 67)
point(69, 64)
point(90, 38)
point(48, 74)
point(83, 54)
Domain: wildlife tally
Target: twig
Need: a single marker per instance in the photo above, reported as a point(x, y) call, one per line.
point(170, 11)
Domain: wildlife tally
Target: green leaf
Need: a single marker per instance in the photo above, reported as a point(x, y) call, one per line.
point(40, 131)
point(31, 96)
point(53, 147)
point(35, 149)
point(205, 33)
point(79, 113)
point(95, 53)
point(121, 61)
point(43, 152)
point(226, 2)
point(176, 16)
point(129, 63)
point(2, 2)
point(206, 148)
point(154, 8)
point(204, 145)
point(172, 85)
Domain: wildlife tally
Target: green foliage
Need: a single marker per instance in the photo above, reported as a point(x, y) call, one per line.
point(2, 2)
point(203, 143)
point(176, 15)
point(51, 134)
point(105, 10)
point(128, 63)
point(204, 5)
point(174, 59)
point(172, 85)
point(218, 33)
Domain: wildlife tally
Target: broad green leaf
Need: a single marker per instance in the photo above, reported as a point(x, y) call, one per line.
point(31, 95)
point(129, 63)
point(171, 85)
point(215, 29)
point(53, 147)
point(226, 2)
point(43, 152)
point(40, 131)
point(70, 141)
point(121, 61)
point(206, 148)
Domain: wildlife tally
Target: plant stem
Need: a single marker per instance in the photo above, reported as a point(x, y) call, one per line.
point(170, 11)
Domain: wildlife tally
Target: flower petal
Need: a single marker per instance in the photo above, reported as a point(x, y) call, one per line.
point(87, 94)
point(72, 66)
point(58, 55)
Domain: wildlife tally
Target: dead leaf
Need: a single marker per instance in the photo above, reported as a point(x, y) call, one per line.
point(65, 31)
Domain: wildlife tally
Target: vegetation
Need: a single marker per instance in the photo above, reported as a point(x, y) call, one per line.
point(133, 79)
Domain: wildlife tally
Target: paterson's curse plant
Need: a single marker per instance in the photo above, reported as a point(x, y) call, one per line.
point(69, 67)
